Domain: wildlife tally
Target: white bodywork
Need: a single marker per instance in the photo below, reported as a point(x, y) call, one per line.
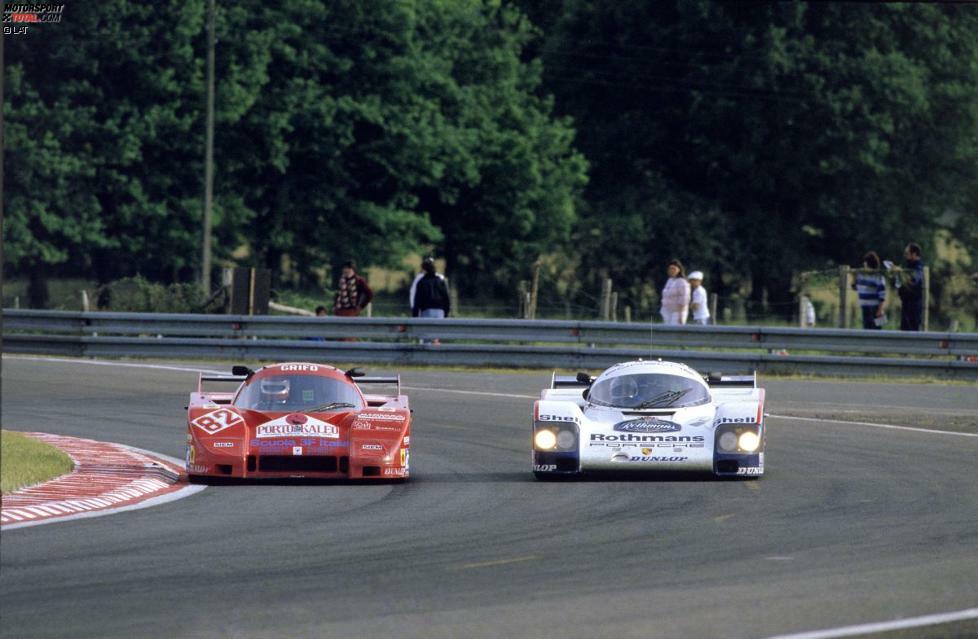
point(662, 438)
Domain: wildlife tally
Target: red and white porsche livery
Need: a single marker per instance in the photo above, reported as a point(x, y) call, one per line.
point(298, 419)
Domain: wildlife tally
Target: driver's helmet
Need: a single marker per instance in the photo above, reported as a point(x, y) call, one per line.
point(623, 388)
point(274, 390)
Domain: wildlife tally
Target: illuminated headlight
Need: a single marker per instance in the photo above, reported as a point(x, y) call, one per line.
point(565, 439)
point(748, 441)
point(728, 441)
point(545, 439)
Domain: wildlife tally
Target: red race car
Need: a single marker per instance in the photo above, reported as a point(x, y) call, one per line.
point(298, 420)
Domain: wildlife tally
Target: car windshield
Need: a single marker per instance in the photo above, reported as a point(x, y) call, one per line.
point(649, 390)
point(306, 393)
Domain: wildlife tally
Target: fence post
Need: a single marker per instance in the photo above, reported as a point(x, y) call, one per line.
point(628, 314)
point(85, 304)
point(714, 297)
point(801, 311)
point(844, 296)
point(614, 306)
point(926, 297)
point(453, 300)
point(524, 310)
point(605, 299)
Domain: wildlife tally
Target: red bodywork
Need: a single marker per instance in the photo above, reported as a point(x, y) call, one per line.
point(368, 442)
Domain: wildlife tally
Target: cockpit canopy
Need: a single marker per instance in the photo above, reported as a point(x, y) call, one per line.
point(301, 393)
point(648, 390)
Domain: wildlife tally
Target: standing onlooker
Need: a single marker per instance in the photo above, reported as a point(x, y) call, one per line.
point(910, 287)
point(429, 293)
point(321, 311)
point(417, 278)
point(699, 303)
point(675, 295)
point(352, 292)
point(871, 288)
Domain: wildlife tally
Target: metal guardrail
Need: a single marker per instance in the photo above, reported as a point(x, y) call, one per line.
point(490, 342)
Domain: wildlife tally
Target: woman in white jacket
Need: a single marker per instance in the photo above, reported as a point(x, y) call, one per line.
point(675, 295)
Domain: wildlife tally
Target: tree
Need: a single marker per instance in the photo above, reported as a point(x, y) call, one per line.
point(815, 131)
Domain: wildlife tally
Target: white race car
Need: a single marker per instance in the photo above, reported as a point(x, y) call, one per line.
point(650, 416)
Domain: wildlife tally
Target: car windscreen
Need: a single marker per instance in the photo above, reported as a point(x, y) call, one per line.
point(648, 390)
point(306, 393)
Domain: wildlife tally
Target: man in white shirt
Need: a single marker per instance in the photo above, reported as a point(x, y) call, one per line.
point(698, 299)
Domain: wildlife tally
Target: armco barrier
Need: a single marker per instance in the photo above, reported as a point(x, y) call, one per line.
point(540, 343)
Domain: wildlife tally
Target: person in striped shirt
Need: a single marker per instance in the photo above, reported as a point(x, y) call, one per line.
point(871, 288)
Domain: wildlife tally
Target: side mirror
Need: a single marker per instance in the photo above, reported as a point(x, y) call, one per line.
point(585, 393)
point(239, 371)
point(355, 372)
point(584, 378)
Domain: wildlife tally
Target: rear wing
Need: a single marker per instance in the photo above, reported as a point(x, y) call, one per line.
point(741, 381)
point(581, 380)
point(217, 397)
point(379, 400)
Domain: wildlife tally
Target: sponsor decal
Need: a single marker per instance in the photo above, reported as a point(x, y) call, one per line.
point(223, 444)
point(750, 470)
point(372, 447)
point(648, 458)
point(297, 425)
point(299, 367)
point(737, 420)
point(407, 440)
point(405, 458)
point(297, 450)
point(647, 425)
point(288, 443)
point(191, 454)
point(395, 472)
point(544, 468)
point(547, 417)
point(217, 420)
point(382, 417)
point(641, 439)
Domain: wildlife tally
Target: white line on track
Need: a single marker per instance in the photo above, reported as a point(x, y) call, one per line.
point(875, 425)
point(885, 626)
point(465, 392)
point(97, 362)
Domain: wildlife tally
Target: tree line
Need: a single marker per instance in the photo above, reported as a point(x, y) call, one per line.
point(750, 140)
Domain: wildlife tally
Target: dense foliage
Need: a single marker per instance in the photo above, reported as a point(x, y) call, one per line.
point(752, 141)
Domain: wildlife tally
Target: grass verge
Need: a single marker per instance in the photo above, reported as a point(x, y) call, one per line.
point(25, 461)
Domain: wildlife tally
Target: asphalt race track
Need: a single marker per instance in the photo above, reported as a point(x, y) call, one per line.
point(852, 524)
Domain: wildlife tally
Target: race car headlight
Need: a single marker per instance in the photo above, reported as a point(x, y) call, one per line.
point(565, 440)
point(748, 441)
point(545, 439)
point(728, 441)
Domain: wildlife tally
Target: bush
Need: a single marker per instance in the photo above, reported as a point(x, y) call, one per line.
point(136, 294)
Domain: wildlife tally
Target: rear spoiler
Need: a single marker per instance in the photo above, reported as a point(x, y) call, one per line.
point(743, 381)
point(396, 379)
point(581, 380)
point(218, 378)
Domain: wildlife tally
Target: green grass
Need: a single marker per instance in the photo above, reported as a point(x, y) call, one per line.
point(25, 461)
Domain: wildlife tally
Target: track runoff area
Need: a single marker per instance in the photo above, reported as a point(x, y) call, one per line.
point(835, 480)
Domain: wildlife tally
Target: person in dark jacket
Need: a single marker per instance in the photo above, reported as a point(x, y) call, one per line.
point(430, 297)
point(910, 287)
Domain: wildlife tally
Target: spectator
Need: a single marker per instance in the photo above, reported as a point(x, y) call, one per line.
point(321, 311)
point(417, 278)
point(352, 292)
point(430, 293)
point(698, 299)
point(910, 287)
point(871, 288)
point(675, 295)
